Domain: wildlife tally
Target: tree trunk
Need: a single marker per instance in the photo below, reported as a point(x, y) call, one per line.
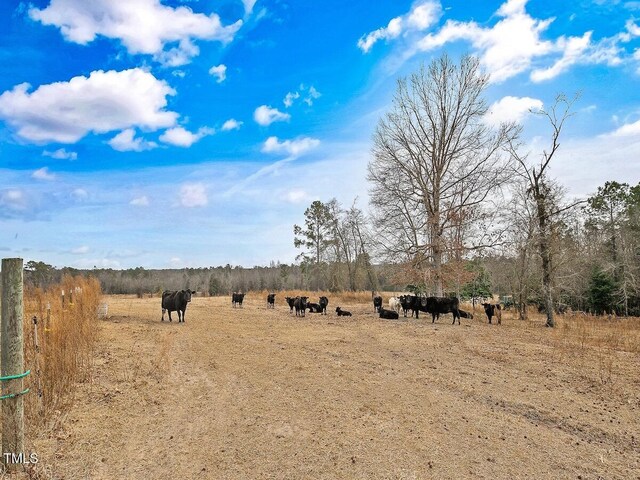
point(545, 253)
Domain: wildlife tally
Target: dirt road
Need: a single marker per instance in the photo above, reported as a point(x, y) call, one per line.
point(256, 393)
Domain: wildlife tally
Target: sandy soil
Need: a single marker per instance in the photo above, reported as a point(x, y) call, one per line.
point(257, 393)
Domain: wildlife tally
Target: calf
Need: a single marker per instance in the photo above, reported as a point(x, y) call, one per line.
point(468, 315)
point(324, 301)
point(493, 309)
point(388, 314)
point(342, 313)
point(236, 299)
point(300, 304)
point(313, 307)
point(394, 304)
point(271, 300)
point(290, 301)
point(175, 302)
point(406, 303)
point(377, 304)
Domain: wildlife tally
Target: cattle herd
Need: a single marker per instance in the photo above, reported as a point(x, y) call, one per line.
point(176, 301)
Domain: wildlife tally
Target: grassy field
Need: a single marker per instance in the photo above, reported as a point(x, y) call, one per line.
point(257, 393)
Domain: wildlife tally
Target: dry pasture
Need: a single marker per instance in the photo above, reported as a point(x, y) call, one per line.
point(258, 393)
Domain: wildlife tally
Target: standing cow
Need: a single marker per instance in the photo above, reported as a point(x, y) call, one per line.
point(237, 299)
point(493, 309)
point(175, 302)
point(377, 303)
point(324, 301)
point(271, 300)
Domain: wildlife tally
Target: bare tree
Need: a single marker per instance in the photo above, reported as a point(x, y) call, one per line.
point(543, 191)
point(436, 162)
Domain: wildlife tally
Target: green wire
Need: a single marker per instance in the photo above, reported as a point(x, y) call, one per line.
point(11, 395)
point(13, 377)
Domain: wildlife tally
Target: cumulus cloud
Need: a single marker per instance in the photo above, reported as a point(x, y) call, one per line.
point(573, 50)
point(181, 137)
point(81, 21)
point(142, 201)
point(220, 72)
point(61, 154)
point(65, 112)
point(248, 6)
point(79, 194)
point(265, 115)
point(421, 16)
point(627, 130)
point(511, 109)
point(13, 199)
point(231, 124)
point(293, 148)
point(126, 141)
point(43, 174)
point(193, 195)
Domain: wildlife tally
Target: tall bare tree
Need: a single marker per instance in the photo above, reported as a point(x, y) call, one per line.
point(436, 162)
point(544, 191)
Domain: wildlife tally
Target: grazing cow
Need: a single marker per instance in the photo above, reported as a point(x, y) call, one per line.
point(313, 307)
point(300, 304)
point(377, 303)
point(271, 300)
point(394, 304)
point(389, 314)
point(175, 302)
point(324, 301)
point(493, 309)
point(236, 299)
point(342, 313)
point(468, 315)
point(290, 301)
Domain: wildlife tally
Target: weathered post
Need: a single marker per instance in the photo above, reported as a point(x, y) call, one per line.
point(12, 357)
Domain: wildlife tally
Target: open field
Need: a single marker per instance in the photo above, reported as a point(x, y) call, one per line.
point(257, 393)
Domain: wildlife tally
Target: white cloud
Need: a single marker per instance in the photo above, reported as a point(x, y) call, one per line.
point(627, 130)
point(573, 49)
point(61, 154)
point(231, 124)
point(293, 148)
point(248, 6)
point(511, 109)
point(14, 199)
point(180, 137)
point(220, 72)
point(80, 250)
point(43, 174)
point(105, 101)
point(313, 94)
point(142, 26)
point(296, 196)
point(125, 141)
point(421, 16)
point(80, 194)
point(265, 115)
point(289, 98)
point(142, 201)
point(193, 195)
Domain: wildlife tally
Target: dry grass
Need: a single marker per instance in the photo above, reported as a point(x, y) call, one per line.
point(66, 338)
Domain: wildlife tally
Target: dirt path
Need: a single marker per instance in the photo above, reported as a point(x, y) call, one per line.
point(256, 393)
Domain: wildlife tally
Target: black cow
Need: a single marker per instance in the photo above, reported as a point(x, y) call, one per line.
point(438, 305)
point(493, 309)
point(324, 301)
point(342, 313)
point(175, 302)
point(406, 303)
point(271, 300)
point(236, 299)
point(468, 315)
point(313, 307)
point(290, 301)
point(377, 303)
point(300, 304)
point(388, 314)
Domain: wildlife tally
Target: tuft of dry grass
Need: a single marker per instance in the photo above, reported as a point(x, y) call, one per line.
point(66, 335)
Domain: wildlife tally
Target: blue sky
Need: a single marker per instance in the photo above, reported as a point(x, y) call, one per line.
point(196, 132)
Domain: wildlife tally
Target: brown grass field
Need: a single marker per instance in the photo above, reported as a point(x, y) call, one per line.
point(254, 393)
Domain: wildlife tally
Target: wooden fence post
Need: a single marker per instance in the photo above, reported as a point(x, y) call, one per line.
point(12, 357)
